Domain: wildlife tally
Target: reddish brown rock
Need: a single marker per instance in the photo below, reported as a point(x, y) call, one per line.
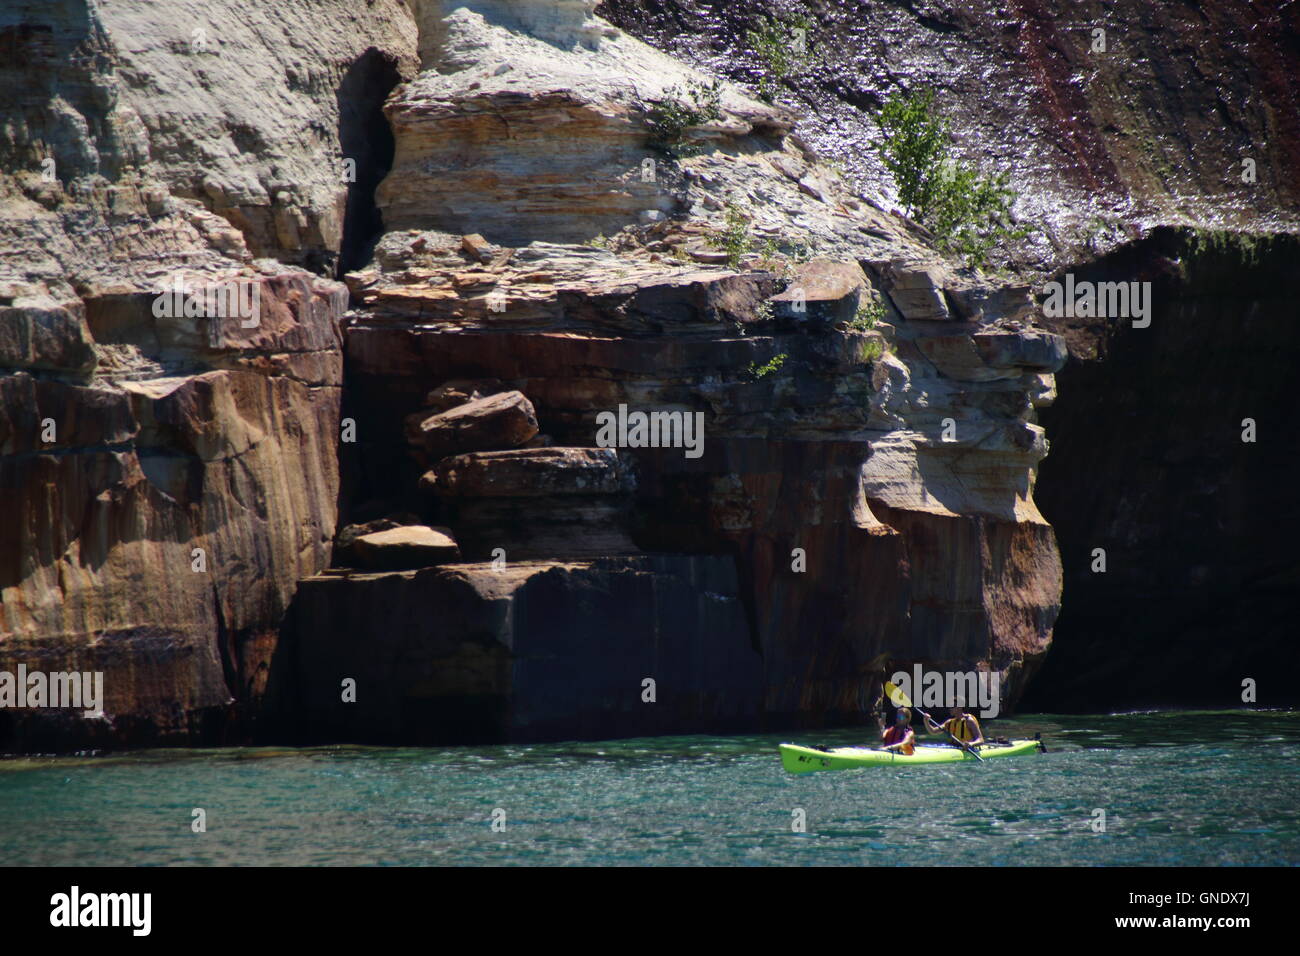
point(916, 547)
point(459, 391)
point(51, 339)
point(833, 523)
point(528, 472)
point(504, 420)
point(158, 532)
point(536, 502)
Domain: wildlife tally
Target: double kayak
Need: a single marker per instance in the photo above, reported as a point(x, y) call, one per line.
point(797, 759)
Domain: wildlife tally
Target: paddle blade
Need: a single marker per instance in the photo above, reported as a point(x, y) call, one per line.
point(896, 695)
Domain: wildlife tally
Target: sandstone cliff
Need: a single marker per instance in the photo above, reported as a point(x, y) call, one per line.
point(169, 478)
point(869, 480)
point(380, 513)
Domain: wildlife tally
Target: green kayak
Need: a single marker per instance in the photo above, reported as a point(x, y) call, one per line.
point(798, 759)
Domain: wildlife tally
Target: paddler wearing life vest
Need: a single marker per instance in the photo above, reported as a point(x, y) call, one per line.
point(961, 725)
point(900, 736)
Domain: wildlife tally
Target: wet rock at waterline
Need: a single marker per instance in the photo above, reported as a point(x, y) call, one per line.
point(477, 653)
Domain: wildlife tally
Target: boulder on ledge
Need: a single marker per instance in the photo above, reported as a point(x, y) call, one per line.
point(824, 292)
point(506, 420)
point(458, 391)
point(404, 548)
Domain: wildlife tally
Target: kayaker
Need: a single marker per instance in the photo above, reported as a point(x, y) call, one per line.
point(900, 736)
point(961, 725)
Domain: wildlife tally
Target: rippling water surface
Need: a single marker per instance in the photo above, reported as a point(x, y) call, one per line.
point(1177, 788)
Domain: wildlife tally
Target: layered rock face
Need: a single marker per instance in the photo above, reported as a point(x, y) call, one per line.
point(163, 506)
point(532, 140)
point(867, 443)
point(170, 400)
point(841, 478)
point(877, 508)
point(1118, 121)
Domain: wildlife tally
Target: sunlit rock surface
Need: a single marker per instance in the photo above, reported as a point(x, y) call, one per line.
point(1104, 136)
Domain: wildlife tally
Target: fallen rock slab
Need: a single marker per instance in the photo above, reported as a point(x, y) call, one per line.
point(915, 288)
point(499, 421)
point(347, 536)
point(458, 391)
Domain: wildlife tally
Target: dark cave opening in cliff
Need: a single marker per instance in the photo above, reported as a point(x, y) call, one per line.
point(367, 140)
point(1148, 464)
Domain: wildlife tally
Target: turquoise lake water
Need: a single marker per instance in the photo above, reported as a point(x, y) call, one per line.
point(1178, 789)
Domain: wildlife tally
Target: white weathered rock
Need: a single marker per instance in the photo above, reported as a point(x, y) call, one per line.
point(180, 133)
point(411, 546)
point(552, 147)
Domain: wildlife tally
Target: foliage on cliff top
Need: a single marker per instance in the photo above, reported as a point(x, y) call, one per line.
point(968, 212)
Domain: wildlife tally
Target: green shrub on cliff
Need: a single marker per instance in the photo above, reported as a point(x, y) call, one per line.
point(968, 212)
point(868, 314)
point(757, 371)
point(870, 350)
point(734, 237)
point(671, 118)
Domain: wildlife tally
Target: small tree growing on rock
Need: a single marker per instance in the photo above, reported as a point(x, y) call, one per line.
point(734, 238)
point(969, 213)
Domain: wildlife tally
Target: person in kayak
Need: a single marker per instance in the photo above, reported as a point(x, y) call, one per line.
point(961, 725)
point(900, 737)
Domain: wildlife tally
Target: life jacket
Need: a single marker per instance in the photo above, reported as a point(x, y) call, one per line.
point(960, 727)
point(897, 734)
